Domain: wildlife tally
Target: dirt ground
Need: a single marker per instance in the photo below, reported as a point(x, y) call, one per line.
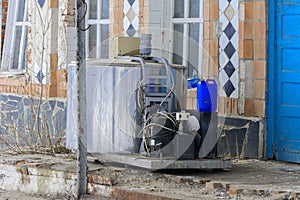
point(9, 195)
point(248, 179)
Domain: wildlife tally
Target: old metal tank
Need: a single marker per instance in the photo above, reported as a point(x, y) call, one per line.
point(112, 89)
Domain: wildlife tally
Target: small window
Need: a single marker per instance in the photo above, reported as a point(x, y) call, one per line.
point(97, 37)
point(187, 24)
point(16, 36)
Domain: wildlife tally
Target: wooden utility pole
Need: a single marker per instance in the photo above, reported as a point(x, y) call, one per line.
point(81, 77)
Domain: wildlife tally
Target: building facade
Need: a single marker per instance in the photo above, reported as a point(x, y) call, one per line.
point(249, 47)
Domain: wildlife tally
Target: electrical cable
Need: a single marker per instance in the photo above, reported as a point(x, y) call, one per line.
point(144, 132)
point(175, 123)
point(168, 69)
point(83, 18)
point(154, 124)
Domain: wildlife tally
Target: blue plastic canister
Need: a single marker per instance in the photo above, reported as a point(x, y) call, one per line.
point(207, 95)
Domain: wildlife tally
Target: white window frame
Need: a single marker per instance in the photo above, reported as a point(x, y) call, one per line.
point(10, 33)
point(186, 20)
point(98, 22)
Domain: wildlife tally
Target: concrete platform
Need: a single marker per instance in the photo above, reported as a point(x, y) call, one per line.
point(155, 163)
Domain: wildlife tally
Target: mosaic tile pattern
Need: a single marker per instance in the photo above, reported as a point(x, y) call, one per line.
point(131, 17)
point(228, 48)
point(41, 3)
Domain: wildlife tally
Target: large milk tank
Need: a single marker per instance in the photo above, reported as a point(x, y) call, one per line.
point(111, 89)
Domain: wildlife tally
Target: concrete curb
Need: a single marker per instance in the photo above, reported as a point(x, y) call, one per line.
point(41, 179)
point(33, 179)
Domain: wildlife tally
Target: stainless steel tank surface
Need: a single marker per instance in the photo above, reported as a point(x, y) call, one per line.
point(112, 106)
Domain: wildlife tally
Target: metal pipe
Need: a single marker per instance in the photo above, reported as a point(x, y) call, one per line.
point(168, 69)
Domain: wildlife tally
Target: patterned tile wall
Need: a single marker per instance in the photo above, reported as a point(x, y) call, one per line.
point(228, 48)
point(131, 17)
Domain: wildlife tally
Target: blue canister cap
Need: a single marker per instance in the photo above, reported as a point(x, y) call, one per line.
point(192, 83)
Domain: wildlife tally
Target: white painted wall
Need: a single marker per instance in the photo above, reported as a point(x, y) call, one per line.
point(43, 39)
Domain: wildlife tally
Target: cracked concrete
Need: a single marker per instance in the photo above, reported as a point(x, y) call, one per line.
point(248, 179)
